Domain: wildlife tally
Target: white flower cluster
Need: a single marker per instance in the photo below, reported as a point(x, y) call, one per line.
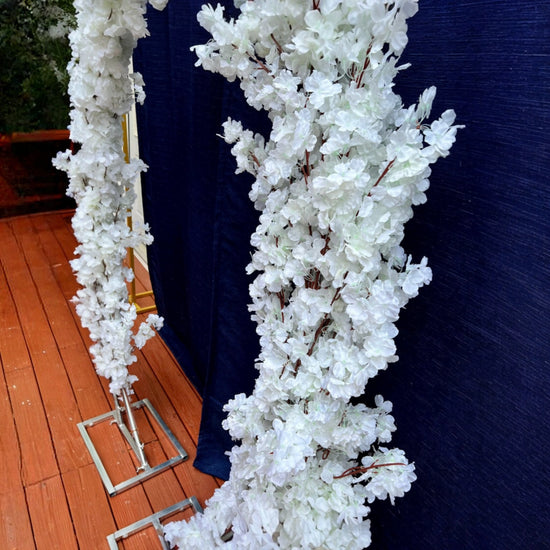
point(336, 183)
point(101, 181)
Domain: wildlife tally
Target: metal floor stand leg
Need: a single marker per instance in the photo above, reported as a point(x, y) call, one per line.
point(153, 520)
point(131, 434)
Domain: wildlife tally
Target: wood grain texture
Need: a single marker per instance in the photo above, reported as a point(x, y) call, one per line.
point(89, 506)
point(15, 528)
point(51, 521)
point(51, 495)
point(38, 460)
point(19, 253)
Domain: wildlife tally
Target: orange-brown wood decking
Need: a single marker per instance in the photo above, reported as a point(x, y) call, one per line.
point(51, 495)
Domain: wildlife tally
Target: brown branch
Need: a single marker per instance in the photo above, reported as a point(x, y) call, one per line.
point(362, 469)
point(304, 172)
point(281, 295)
point(381, 177)
point(316, 281)
point(336, 296)
point(339, 290)
point(366, 64)
point(255, 159)
point(279, 47)
point(260, 63)
point(252, 57)
point(306, 168)
point(326, 248)
point(313, 279)
point(324, 323)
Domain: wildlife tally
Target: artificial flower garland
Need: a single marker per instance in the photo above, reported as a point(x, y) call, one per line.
point(335, 184)
point(101, 181)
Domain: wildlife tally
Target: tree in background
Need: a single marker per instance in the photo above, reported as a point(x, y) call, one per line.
point(34, 52)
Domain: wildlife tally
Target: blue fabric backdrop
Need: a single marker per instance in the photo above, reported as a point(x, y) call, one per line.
point(471, 389)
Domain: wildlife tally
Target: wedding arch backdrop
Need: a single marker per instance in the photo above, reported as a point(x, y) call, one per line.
point(472, 410)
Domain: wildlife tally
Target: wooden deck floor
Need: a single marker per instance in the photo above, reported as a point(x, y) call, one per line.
point(51, 495)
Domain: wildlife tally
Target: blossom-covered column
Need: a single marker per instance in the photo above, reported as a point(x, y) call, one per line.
point(335, 184)
point(101, 181)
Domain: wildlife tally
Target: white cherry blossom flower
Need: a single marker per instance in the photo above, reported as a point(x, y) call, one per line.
point(335, 183)
point(101, 181)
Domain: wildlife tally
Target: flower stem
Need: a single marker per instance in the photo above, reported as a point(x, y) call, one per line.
point(363, 469)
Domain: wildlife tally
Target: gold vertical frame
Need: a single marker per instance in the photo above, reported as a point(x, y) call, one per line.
point(133, 296)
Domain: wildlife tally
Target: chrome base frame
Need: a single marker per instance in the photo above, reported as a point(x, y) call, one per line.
point(153, 520)
point(132, 437)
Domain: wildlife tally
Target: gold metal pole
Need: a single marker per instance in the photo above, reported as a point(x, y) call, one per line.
point(133, 296)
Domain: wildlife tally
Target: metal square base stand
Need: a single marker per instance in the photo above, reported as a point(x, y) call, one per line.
point(135, 444)
point(155, 521)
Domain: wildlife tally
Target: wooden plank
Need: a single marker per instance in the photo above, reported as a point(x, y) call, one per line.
point(174, 382)
point(61, 411)
point(142, 276)
point(10, 449)
point(65, 325)
point(164, 489)
point(59, 245)
point(50, 340)
point(56, 309)
point(55, 388)
point(132, 504)
point(60, 227)
point(38, 460)
point(147, 386)
point(88, 390)
point(62, 230)
point(12, 341)
point(113, 450)
point(15, 527)
point(185, 400)
point(64, 332)
point(89, 507)
point(41, 223)
point(40, 135)
point(146, 539)
point(195, 482)
point(50, 517)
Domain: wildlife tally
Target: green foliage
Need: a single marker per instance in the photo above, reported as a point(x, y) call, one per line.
point(34, 52)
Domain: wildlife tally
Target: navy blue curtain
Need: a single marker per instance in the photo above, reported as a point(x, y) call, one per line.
point(471, 388)
point(201, 218)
